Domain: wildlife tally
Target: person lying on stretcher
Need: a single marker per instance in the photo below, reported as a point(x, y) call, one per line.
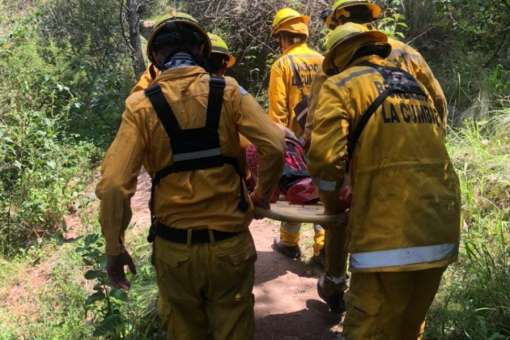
point(295, 182)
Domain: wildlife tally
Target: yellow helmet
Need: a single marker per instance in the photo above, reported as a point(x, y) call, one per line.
point(341, 9)
point(344, 41)
point(219, 46)
point(176, 29)
point(290, 20)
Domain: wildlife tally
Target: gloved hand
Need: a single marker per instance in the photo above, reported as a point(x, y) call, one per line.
point(115, 269)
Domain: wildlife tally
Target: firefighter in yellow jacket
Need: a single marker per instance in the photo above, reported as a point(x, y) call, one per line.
point(402, 55)
point(289, 88)
point(332, 283)
point(381, 124)
point(184, 130)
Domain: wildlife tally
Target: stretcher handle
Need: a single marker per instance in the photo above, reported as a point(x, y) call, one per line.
point(296, 218)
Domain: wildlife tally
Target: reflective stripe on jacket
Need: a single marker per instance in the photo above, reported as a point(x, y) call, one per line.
point(405, 212)
point(198, 199)
point(287, 88)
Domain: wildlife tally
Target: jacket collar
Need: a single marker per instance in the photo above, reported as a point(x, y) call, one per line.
point(181, 72)
point(294, 47)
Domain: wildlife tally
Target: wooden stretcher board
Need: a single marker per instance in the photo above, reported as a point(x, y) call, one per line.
point(285, 212)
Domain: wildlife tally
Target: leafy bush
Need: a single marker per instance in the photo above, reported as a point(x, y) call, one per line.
point(94, 61)
point(43, 165)
point(474, 302)
point(114, 313)
point(467, 45)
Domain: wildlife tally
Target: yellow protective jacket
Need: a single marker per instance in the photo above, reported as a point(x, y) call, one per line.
point(146, 79)
point(405, 212)
point(290, 83)
point(404, 57)
point(317, 83)
point(197, 199)
point(410, 60)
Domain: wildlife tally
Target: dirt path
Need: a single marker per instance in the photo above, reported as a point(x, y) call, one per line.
point(287, 306)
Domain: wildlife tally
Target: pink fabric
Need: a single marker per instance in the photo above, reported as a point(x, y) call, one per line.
point(300, 191)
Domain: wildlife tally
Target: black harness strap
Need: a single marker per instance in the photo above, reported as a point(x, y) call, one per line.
point(215, 102)
point(395, 81)
point(193, 149)
point(354, 136)
point(162, 109)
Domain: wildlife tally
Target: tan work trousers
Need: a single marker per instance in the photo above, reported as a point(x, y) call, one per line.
point(205, 290)
point(390, 305)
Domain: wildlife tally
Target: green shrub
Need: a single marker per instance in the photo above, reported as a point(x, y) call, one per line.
point(114, 313)
point(43, 165)
point(474, 302)
point(93, 60)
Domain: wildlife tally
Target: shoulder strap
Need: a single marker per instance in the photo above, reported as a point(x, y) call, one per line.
point(163, 109)
point(395, 81)
point(295, 73)
point(215, 101)
point(354, 136)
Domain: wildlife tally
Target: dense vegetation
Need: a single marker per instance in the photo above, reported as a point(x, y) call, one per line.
point(65, 70)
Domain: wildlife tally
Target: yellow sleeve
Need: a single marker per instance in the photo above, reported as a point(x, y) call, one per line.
point(317, 83)
point(146, 79)
point(277, 93)
point(328, 149)
point(425, 76)
point(119, 174)
point(254, 124)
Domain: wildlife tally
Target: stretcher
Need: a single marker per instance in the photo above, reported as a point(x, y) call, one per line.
point(285, 212)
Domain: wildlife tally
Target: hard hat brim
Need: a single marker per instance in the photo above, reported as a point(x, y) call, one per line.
point(306, 19)
point(375, 9)
point(232, 60)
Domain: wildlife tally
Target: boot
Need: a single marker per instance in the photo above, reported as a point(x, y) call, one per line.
point(292, 252)
point(331, 290)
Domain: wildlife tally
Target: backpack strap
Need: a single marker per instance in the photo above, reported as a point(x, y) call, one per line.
point(163, 109)
point(215, 101)
point(395, 81)
point(295, 73)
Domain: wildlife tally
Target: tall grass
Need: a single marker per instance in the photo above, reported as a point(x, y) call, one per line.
point(474, 302)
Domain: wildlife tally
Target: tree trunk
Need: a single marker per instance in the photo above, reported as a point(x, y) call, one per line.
point(133, 21)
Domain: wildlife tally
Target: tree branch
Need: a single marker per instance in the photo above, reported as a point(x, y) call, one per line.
point(121, 22)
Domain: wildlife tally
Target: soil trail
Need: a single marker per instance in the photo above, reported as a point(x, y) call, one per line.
point(287, 306)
